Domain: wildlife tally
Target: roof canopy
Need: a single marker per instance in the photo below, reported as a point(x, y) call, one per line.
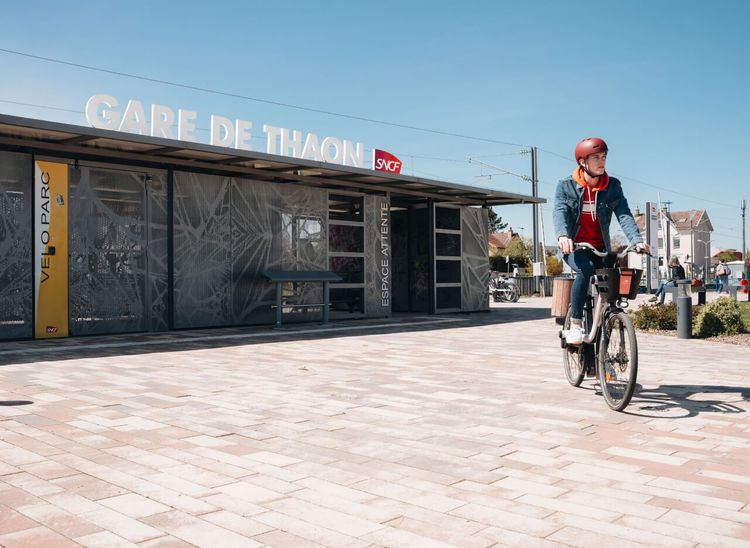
point(79, 142)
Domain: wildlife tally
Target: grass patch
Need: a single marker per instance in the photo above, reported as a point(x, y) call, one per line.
point(745, 314)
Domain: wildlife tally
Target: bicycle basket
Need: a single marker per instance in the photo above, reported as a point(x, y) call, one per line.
point(618, 283)
point(630, 279)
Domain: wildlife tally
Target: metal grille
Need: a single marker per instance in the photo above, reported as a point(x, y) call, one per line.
point(227, 231)
point(474, 259)
point(16, 272)
point(118, 251)
point(202, 250)
point(275, 226)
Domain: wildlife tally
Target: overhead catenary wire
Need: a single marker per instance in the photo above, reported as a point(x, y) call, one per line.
point(259, 100)
point(336, 114)
point(40, 106)
point(644, 183)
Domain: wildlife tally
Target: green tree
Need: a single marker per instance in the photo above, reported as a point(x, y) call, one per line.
point(727, 256)
point(554, 265)
point(495, 222)
point(517, 252)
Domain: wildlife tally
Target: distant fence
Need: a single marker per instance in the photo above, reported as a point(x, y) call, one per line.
point(526, 285)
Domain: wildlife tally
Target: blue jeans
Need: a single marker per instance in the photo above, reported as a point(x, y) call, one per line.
point(723, 283)
point(584, 264)
point(660, 290)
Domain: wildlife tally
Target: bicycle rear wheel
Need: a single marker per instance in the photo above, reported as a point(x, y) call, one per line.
point(574, 362)
point(618, 360)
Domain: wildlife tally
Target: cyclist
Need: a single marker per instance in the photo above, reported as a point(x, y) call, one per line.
point(584, 204)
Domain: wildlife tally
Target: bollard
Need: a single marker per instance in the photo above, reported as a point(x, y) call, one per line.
point(684, 310)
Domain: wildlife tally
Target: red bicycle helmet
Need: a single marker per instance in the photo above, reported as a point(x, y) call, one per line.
point(589, 146)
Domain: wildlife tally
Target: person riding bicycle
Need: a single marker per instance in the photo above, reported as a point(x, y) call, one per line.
point(584, 204)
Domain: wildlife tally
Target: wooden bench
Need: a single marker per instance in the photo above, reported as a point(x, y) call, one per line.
point(280, 277)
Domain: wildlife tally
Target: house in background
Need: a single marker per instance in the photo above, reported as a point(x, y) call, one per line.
point(685, 235)
point(498, 241)
point(715, 257)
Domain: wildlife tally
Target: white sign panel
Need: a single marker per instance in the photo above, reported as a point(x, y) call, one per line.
point(652, 230)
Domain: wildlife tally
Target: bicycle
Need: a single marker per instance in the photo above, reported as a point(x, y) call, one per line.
point(502, 290)
point(610, 349)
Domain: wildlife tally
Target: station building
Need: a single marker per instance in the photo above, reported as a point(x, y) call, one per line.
point(106, 232)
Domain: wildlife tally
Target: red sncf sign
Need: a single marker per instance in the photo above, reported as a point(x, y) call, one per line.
point(385, 161)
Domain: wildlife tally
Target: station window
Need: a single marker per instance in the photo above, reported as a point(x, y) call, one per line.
point(346, 252)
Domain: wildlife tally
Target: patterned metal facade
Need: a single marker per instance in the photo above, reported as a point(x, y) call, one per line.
point(225, 232)
point(474, 260)
point(118, 251)
point(16, 271)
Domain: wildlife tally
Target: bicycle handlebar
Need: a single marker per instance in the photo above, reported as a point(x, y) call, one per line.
point(585, 245)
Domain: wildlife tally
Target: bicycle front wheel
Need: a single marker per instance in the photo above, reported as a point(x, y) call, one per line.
point(618, 360)
point(515, 293)
point(505, 294)
point(574, 362)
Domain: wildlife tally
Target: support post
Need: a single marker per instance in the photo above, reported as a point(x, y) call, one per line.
point(278, 304)
point(325, 302)
point(684, 310)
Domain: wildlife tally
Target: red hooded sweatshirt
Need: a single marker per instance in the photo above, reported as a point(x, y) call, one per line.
point(589, 228)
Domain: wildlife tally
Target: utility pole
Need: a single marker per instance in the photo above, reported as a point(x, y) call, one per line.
point(744, 248)
point(535, 208)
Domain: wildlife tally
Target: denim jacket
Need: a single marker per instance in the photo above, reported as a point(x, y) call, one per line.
point(569, 204)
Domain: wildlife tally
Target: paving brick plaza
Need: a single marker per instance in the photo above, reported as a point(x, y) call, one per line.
point(456, 430)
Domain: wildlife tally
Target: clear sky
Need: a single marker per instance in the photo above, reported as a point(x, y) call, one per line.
point(664, 82)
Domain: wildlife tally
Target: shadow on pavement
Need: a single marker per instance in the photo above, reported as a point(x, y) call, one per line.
point(683, 401)
point(30, 351)
point(13, 403)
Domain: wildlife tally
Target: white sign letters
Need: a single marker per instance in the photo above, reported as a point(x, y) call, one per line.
point(105, 112)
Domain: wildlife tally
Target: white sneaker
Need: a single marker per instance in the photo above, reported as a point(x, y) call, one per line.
point(574, 335)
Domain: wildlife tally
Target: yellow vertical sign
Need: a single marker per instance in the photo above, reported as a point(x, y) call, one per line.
point(51, 249)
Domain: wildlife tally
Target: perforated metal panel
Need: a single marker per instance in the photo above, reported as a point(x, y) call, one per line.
point(16, 271)
point(474, 259)
point(118, 251)
point(275, 226)
point(227, 231)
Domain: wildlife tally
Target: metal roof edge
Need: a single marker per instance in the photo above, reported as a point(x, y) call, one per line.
point(485, 194)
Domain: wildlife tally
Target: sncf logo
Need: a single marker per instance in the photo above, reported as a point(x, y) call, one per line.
point(51, 329)
point(385, 161)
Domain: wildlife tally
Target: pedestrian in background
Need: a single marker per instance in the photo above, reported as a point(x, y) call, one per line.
point(676, 272)
point(722, 276)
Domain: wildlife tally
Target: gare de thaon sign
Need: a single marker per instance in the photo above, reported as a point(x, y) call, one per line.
point(106, 112)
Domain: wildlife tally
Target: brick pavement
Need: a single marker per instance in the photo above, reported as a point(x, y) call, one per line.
point(443, 431)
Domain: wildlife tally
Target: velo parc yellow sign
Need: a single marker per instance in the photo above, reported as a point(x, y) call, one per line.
point(51, 249)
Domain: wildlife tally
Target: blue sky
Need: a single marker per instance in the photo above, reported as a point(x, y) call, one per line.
point(664, 82)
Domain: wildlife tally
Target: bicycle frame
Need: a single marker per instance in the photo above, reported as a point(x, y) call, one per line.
point(596, 319)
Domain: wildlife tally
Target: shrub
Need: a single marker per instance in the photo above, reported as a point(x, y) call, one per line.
point(720, 317)
point(656, 317)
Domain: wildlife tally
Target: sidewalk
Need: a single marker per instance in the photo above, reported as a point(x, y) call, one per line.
point(436, 431)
